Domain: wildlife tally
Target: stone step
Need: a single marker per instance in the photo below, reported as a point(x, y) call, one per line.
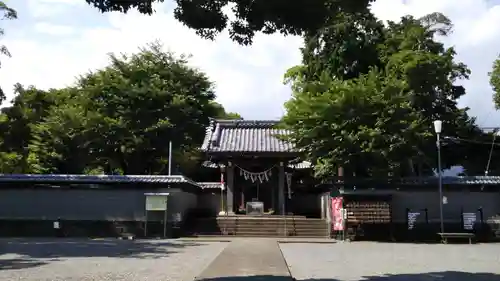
point(258, 234)
point(261, 227)
point(263, 233)
point(249, 222)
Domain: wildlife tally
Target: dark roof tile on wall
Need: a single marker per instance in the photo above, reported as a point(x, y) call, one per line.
point(245, 136)
point(61, 178)
point(210, 185)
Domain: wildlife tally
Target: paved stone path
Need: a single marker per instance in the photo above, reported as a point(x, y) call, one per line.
point(370, 261)
point(248, 257)
point(37, 259)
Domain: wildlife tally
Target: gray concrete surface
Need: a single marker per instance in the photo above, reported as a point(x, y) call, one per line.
point(248, 259)
point(110, 259)
point(369, 261)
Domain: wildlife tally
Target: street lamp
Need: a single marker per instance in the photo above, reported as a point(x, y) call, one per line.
point(438, 126)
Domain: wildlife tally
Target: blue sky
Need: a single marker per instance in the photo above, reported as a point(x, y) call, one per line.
point(53, 41)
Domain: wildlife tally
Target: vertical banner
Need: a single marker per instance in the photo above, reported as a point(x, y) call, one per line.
point(337, 214)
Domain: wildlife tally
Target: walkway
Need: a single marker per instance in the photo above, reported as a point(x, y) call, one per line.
point(252, 259)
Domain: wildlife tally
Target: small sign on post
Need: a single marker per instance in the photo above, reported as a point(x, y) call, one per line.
point(156, 202)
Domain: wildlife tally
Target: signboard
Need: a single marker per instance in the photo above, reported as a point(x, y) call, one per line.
point(469, 220)
point(338, 214)
point(156, 202)
point(343, 213)
point(412, 218)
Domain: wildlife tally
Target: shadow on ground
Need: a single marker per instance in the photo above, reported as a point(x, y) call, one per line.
point(69, 248)
point(429, 276)
point(19, 263)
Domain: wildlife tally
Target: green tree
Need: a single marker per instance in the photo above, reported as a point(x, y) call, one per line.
point(8, 13)
point(210, 17)
point(374, 92)
point(495, 82)
point(375, 129)
point(222, 114)
point(120, 119)
point(29, 106)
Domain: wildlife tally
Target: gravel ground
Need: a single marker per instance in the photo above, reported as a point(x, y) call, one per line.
point(393, 262)
point(71, 260)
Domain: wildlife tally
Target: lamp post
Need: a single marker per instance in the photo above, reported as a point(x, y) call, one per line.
point(438, 126)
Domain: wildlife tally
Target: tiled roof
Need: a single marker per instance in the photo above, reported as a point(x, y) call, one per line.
point(432, 180)
point(245, 136)
point(298, 166)
point(209, 185)
point(478, 180)
point(53, 178)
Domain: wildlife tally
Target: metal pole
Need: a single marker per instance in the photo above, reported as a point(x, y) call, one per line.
point(170, 158)
point(165, 224)
point(146, 225)
point(165, 218)
point(491, 153)
point(284, 216)
point(438, 143)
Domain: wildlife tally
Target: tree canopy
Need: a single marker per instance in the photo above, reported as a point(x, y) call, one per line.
point(495, 82)
point(118, 119)
point(210, 17)
point(9, 14)
point(366, 94)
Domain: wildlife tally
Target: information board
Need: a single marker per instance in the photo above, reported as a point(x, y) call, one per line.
point(156, 203)
point(469, 220)
point(412, 218)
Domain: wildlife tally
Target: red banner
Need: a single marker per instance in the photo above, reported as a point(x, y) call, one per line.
point(337, 216)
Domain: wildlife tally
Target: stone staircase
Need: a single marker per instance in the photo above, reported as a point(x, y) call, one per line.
point(260, 226)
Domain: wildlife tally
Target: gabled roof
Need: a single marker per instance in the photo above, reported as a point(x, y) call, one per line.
point(255, 136)
point(96, 179)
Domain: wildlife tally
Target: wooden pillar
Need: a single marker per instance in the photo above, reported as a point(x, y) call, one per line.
point(230, 189)
point(341, 172)
point(281, 188)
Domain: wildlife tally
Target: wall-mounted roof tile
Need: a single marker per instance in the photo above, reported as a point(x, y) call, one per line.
point(59, 178)
point(209, 185)
point(245, 136)
point(430, 180)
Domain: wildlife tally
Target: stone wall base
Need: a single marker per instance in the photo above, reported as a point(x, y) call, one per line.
point(86, 228)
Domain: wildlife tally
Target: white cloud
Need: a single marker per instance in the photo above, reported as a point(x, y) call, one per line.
point(245, 77)
point(53, 29)
point(50, 8)
point(248, 79)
